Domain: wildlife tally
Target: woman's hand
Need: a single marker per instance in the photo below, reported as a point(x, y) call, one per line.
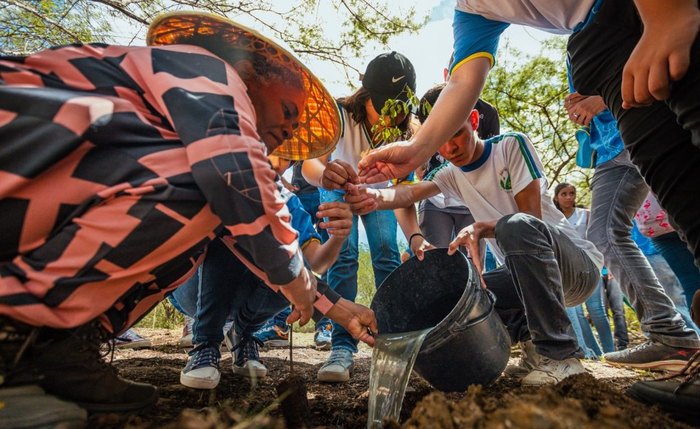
point(582, 108)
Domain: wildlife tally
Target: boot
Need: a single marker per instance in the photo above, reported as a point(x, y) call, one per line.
point(72, 368)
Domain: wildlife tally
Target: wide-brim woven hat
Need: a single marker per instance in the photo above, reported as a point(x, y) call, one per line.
point(319, 123)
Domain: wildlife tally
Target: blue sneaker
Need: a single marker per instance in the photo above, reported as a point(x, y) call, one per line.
point(337, 368)
point(273, 335)
point(323, 335)
point(202, 369)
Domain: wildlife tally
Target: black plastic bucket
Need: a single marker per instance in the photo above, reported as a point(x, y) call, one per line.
point(468, 343)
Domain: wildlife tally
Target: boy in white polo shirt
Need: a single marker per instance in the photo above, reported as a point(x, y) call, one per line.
point(547, 265)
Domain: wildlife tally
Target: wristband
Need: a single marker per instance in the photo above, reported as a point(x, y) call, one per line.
point(410, 239)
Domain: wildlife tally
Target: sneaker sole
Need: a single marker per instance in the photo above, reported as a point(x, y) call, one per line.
point(661, 365)
point(333, 377)
point(276, 343)
point(134, 345)
point(199, 383)
point(323, 346)
point(250, 373)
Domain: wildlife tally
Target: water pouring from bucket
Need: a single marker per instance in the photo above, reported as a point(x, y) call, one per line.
point(466, 342)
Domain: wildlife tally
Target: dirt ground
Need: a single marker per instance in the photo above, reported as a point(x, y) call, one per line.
point(587, 401)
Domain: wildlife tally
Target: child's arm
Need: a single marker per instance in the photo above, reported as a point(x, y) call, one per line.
point(364, 200)
point(321, 256)
point(408, 221)
point(662, 53)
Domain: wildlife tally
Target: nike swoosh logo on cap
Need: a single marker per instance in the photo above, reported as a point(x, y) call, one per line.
point(396, 79)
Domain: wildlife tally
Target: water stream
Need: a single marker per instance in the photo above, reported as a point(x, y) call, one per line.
point(392, 361)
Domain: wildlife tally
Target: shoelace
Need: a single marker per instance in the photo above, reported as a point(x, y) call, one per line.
point(204, 355)
point(249, 348)
point(336, 357)
point(690, 371)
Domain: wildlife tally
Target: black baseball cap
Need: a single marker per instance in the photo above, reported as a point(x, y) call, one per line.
point(387, 77)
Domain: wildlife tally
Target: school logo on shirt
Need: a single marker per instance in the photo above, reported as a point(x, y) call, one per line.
point(504, 180)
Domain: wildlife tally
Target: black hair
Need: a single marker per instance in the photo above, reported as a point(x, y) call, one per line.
point(428, 101)
point(558, 189)
point(355, 104)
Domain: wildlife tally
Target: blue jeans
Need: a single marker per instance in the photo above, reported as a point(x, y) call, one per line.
point(224, 289)
point(310, 202)
point(618, 191)
point(672, 287)
point(616, 302)
point(586, 341)
point(342, 275)
point(676, 253)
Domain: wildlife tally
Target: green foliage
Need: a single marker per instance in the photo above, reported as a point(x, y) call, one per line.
point(529, 92)
point(386, 129)
point(163, 315)
point(30, 25)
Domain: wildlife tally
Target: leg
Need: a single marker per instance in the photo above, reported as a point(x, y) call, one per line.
point(587, 333)
point(617, 307)
point(676, 254)
point(381, 234)
point(596, 308)
point(548, 270)
point(618, 191)
point(342, 275)
point(573, 314)
point(672, 287)
point(437, 226)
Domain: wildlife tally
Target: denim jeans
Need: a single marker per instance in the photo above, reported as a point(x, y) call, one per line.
point(310, 201)
point(676, 254)
point(544, 272)
point(673, 288)
point(595, 305)
point(663, 138)
point(617, 192)
point(587, 342)
point(440, 227)
point(616, 302)
point(224, 289)
point(342, 276)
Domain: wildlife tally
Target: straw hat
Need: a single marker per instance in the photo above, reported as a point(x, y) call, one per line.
point(319, 123)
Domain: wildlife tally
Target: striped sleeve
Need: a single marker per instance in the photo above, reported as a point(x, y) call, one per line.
point(474, 37)
point(206, 103)
point(524, 164)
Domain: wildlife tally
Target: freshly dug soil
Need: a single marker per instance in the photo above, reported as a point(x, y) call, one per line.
point(594, 400)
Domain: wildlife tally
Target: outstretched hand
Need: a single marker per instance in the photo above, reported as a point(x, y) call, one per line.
point(337, 174)
point(391, 161)
point(470, 237)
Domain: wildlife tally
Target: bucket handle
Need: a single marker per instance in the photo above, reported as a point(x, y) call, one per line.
point(459, 327)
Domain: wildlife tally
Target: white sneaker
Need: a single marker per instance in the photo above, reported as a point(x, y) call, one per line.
point(186, 338)
point(202, 369)
point(551, 371)
point(529, 360)
point(246, 355)
point(337, 368)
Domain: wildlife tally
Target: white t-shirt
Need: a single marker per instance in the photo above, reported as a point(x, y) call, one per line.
point(554, 16)
point(487, 186)
point(354, 141)
point(579, 220)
